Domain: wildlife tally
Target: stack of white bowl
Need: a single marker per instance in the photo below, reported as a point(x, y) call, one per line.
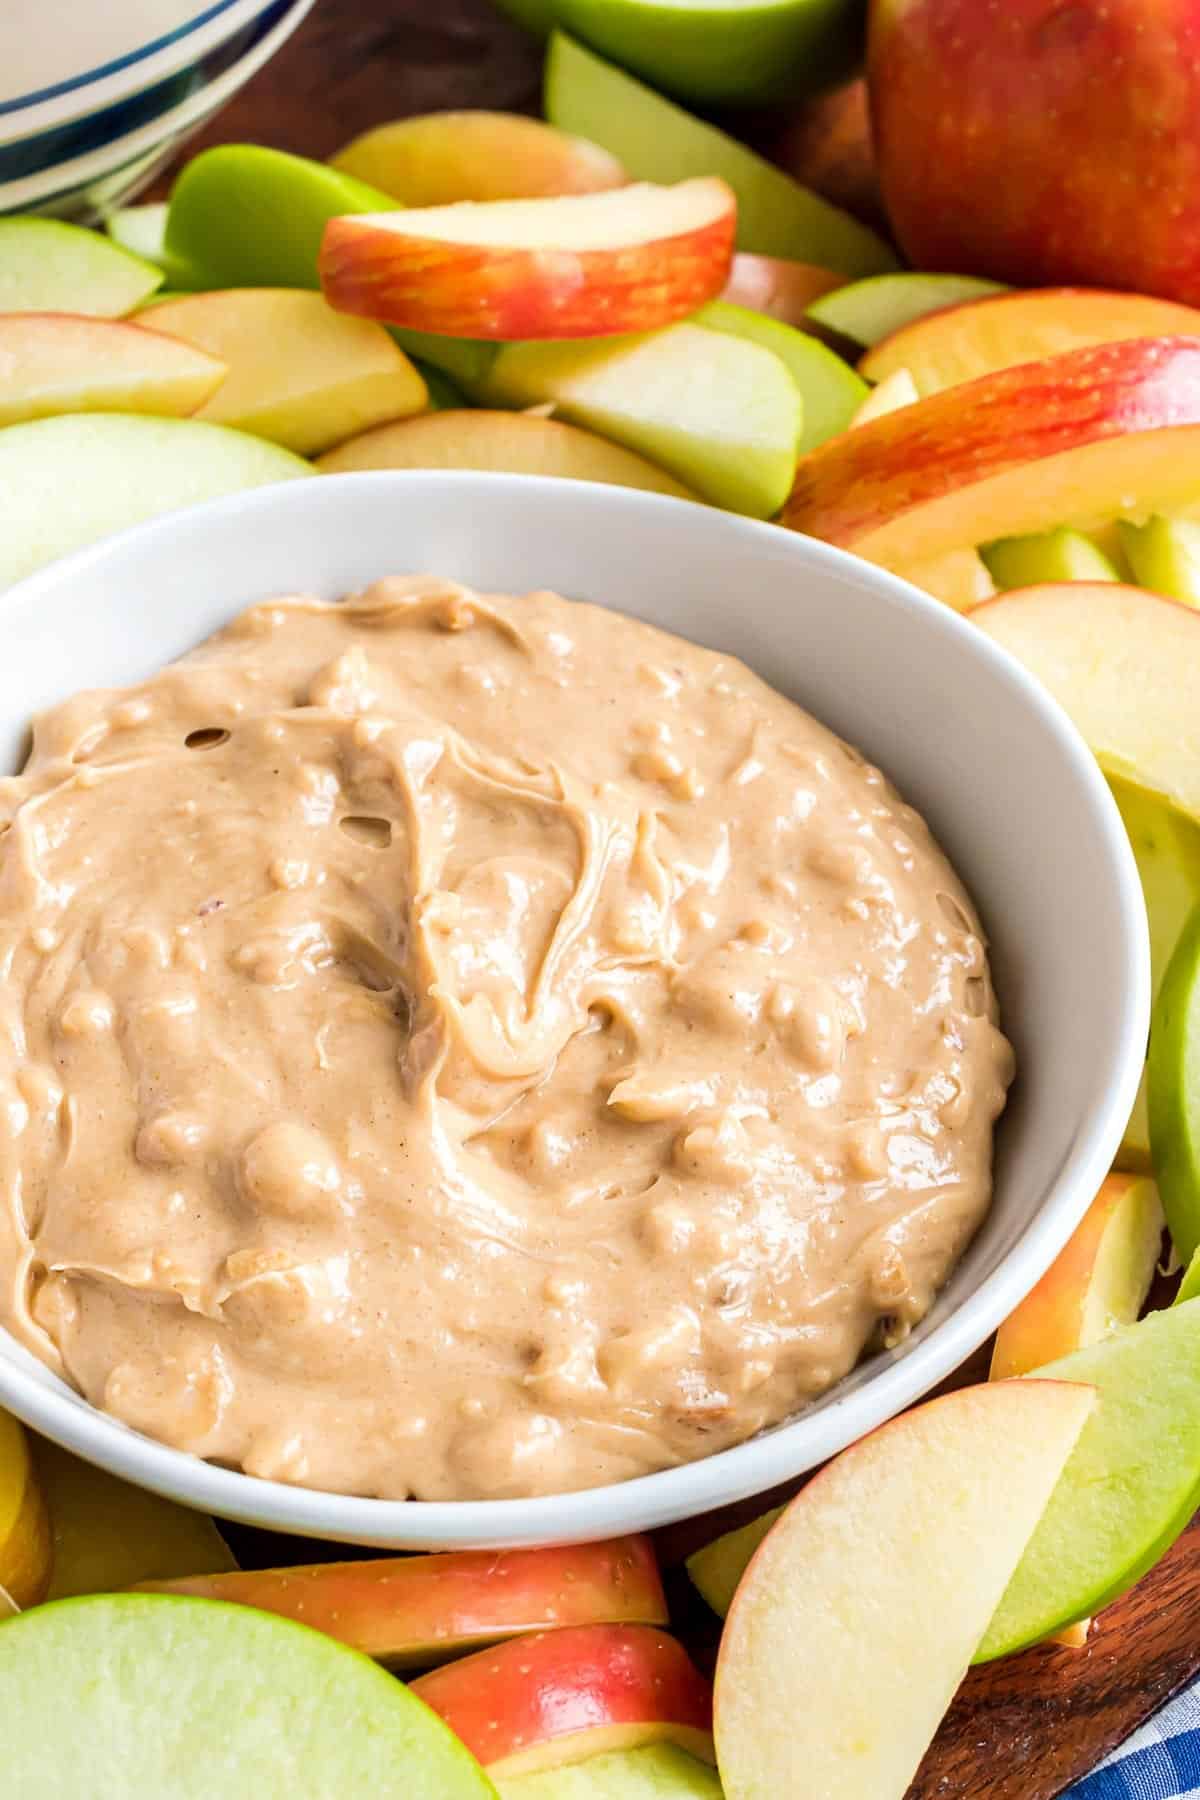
point(95, 95)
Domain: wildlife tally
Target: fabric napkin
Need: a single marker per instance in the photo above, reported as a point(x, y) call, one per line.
point(1159, 1762)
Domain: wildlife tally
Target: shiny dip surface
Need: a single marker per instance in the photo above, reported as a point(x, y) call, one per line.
point(457, 1046)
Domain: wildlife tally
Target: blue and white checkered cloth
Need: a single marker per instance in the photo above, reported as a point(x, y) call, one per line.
point(1159, 1762)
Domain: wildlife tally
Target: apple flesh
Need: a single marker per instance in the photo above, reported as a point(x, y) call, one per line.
point(1129, 1489)
point(895, 391)
point(959, 578)
point(70, 363)
point(588, 265)
point(655, 1772)
point(439, 158)
point(771, 284)
point(513, 443)
point(830, 391)
point(68, 481)
point(720, 413)
point(1061, 555)
point(1164, 555)
point(657, 141)
point(49, 266)
point(995, 157)
point(891, 1560)
point(717, 1568)
point(141, 230)
point(558, 1697)
point(412, 1611)
point(866, 311)
point(964, 342)
point(1098, 1282)
point(1071, 440)
point(26, 1547)
point(1173, 1090)
point(300, 374)
point(188, 1698)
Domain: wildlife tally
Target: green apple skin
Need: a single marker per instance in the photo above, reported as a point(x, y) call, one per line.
point(185, 1699)
point(830, 391)
point(654, 1772)
point(467, 361)
point(1061, 555)
point(71, 480)
point(868, 311)
point(658, 141)
point(1129, 1489)
point(48, 266)
point(1189, 1287)
point(243, 216)
point(1173, 1087)
point(1164, 555)
point(444, 396)
point(716, 1570)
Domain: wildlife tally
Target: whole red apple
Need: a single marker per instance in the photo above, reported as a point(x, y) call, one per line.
point(1042, 141)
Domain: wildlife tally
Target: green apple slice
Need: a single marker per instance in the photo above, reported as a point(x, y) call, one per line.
point(444, 396)
point(1189, 1287)
point(140, 230)
point(1173, 1088)
point(185, 1699)
point(658, 141)
point(1061, 555)
point(1130, 1486)
point(70, 480)
point(655, 1772)
point(868, 311)
point(467, 361)
point(716, 1569)
point(720, 413)
point(1164, 555)
point(830, 390)
point(244, 216)
point(47, 266)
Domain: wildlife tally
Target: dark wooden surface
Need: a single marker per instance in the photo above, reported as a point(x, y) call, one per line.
point(1024, 1728)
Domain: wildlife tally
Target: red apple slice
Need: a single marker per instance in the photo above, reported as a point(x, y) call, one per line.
point(783, 290)
point(961, 343)
point(415, 1610)
point(561, 1696)
point(1071, 440)
point(584, 266)
point(70, 363)
point(440, 158)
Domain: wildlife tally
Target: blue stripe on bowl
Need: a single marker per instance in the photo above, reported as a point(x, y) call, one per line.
point(81, 137)
point(119, 62)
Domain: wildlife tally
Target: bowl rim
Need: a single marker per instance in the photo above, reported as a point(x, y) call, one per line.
point(746, 1469)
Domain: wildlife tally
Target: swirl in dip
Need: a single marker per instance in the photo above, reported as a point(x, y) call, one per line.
point(459, 1046)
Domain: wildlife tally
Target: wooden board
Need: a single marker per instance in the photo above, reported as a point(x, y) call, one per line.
point(1022, 1729)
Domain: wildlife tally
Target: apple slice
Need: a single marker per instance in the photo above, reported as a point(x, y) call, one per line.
point(866, 311)
point(107, 1534)
point(300, 374)
point(185, 1699)
point(959, 578)
point(1061, 555)
point(48, 266)
point(655, 1772)
point(717, 1568)
point(964, 342)
point(69, 481)
point(890, 1561)
point(1173, 1090)
point(628, 260)
point(26, 1550)
point(1164, 555)
point(70, 363)
point(1098, 1282)
point(773, 285)
point(722, 414)
point(1072, 440)
point(830, 391)
point(515, 443)
point(1189, 1287)
point(897, 390)
point(558, 1697)
point(438, 158)
point(1129, 1489)
point(415, 1610)
point(658, 141)
point(141, 230)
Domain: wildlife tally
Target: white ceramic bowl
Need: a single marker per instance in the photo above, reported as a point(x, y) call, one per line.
point(970, 738)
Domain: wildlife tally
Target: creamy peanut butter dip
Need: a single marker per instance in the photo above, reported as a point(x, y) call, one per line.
point(460, 1046)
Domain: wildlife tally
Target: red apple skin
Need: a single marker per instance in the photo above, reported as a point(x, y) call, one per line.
point(1041, 142)
point(847, 490)
point(783, 290)
point(412, 1611)
point(459, 289)
point(561, 1696)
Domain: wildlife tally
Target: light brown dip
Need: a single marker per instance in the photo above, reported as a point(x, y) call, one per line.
point(459, 1046)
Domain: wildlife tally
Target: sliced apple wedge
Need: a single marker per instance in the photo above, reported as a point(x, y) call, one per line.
point(895, 391)
point(963, 342)
point(300, 374)
point(436, 159)
point(960, 578)
point(411, 1611)
point(591, 264)
point(716, 1569)
point(140, 230)
point(720, 413)
point(1164, 555)
point(655, 1772)
point(1061, 555)
point(26, 1546)
point(1071, 440)
point(49, 266)
point(514, 443)
point(830, 391)
point(891, 1560)
point(559, 1697)
point(867, 311)
point(777, 286)
point(1173, 1090)
point(1097, 1283)
point(70, 363)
